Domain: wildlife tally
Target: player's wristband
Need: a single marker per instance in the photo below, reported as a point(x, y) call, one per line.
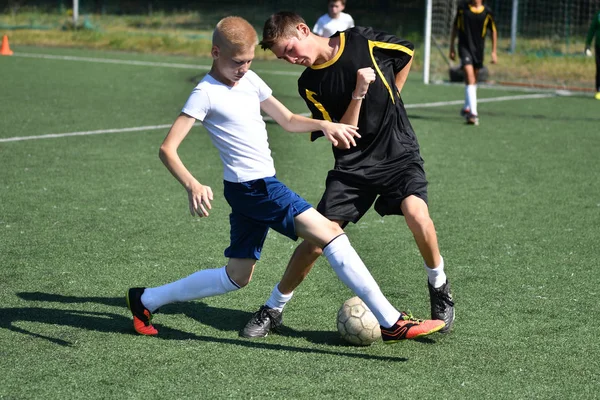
point(357, 97)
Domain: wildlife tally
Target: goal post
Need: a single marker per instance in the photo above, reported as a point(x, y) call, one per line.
point(540, 42)
point(75, 12)
point(439, 15)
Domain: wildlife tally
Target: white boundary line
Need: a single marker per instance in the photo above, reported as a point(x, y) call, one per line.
point(142, 63)
point(83, 133)
point(266, 118)
point(261, 71)
point(484, 100)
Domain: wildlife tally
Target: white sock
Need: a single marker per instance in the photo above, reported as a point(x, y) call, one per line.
point(467, 102)
point(472, 96)
point(436, 276)
point(204, 283)
point(352, 271)
point(278, 300)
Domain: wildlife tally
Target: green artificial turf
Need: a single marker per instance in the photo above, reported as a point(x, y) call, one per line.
point(516, 203)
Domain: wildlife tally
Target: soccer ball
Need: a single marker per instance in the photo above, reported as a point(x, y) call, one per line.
point(356, 323)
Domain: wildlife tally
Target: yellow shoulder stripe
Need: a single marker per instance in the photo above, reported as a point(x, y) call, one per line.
point(392, 46)
point(385, 45)
point(485, 23)
point(310, 95)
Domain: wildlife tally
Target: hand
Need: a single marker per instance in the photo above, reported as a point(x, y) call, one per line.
point(199, 197)
point(494, 57)
point(452, 54)
point(588, 52)
point(364, 77)
point(340, 135)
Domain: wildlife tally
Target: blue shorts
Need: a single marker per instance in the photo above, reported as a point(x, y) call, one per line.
point(257, 206)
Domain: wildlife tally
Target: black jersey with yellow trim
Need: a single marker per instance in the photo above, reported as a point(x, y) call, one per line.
point(473, 25)
point(386, 133)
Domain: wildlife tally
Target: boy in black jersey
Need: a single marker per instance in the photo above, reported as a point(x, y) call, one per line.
point(594, 32)
point(472, 23)
point(357, 75)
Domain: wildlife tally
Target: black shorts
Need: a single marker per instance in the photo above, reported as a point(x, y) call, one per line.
point(349, 195)
point(468, 58)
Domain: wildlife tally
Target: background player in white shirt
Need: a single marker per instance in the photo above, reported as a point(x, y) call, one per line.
point(335, 20)
point(228, 102)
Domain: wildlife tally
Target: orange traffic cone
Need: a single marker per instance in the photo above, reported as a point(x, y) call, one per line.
point(5, 49)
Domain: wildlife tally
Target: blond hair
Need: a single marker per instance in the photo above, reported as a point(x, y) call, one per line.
point(235, 34)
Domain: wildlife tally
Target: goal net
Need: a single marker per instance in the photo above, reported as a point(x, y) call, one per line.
point(540, 43)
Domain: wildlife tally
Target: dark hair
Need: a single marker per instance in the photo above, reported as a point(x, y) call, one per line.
point(279, 26)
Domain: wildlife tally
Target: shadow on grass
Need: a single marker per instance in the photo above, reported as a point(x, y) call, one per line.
point(218, 318)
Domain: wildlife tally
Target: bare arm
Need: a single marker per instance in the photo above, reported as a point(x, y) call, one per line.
point(494, 46)
point(364, 77)
point(199, 196)
point(403, 75)
point(337, 134)
point(452, 40)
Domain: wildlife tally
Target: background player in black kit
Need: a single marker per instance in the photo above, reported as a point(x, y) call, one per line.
point(472, 23)
point(594, 32)
point(357, 75)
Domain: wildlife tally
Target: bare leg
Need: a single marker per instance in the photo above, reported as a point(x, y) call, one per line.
point(300, 264)
point(471, 94)
point(416, 213)
point(470, 76)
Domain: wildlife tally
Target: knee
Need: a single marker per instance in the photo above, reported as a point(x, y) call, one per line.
point(308, 250)
point(243, 282)
point(418, 219)
point(314, 251)
point(335, 230)
point(240, 272)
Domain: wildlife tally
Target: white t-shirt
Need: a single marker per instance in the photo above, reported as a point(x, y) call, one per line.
point(327, 26)
point(232, 117)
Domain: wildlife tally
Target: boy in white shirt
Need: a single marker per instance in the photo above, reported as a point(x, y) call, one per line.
point(228, 102)
point(335, 20)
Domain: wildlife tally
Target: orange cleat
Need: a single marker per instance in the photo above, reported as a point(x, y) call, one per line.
point(141, 315)
point(408, 327)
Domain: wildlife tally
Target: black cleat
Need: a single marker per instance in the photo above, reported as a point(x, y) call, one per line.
point(442, 305)
point(472, 119)
point(464, 112)
point(262, 322)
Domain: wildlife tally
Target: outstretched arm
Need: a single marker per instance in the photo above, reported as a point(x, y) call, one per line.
point(199, 196)
point(340, 135)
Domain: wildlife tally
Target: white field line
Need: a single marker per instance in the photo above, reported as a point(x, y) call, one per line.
point(266, 118)
point(84, 133)
point(143, 63)
point(461, 102)
point(485, 100)
point(261, 71)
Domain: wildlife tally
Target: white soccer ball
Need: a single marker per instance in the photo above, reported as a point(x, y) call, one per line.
point(357, 324)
